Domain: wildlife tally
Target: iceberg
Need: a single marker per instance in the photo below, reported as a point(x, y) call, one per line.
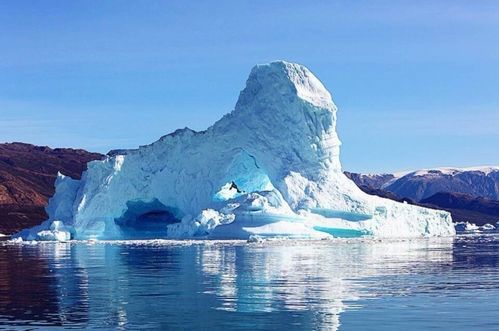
point(466, 227)
point(487, 227)
point(269, 168)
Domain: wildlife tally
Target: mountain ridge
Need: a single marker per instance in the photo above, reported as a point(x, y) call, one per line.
point(27, 175)
point(470, 194)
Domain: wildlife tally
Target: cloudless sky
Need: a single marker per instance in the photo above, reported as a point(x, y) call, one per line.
point(416, 82)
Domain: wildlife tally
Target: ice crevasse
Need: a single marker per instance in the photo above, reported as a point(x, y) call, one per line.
point(269, 168)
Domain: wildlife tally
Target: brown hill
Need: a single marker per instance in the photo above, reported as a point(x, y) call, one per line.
point(27, 175)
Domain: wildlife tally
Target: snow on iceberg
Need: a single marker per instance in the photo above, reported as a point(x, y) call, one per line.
point(270, 168)
point(466, 227)
point(487, 227)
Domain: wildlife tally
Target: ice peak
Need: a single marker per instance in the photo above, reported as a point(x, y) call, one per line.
point(288, 80)
point(287, 107)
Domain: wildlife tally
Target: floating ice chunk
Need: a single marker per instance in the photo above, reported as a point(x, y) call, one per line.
point(487, 227)
point(47, 231)
point(466, 227)
point(471, 227)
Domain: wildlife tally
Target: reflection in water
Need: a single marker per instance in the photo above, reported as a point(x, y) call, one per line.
point(20, 268)
point(316, 280)
point(279, 285)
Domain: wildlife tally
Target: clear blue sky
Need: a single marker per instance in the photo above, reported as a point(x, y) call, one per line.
point(416, 82)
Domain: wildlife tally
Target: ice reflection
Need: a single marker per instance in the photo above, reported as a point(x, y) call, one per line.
point(322, 278)
point(244, 286)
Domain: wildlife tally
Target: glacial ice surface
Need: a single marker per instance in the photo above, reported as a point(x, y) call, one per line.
point(269, 168)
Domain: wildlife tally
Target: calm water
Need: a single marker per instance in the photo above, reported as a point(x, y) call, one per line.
point(447, 284)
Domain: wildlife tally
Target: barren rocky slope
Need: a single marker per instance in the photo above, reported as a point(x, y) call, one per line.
point(27, 175)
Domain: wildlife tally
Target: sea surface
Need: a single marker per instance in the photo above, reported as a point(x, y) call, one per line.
point(423, 284)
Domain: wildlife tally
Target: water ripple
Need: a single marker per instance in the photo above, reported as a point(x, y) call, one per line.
point(353, 284)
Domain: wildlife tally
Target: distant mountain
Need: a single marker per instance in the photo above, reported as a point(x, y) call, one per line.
point(470, 194)
point(372, 181)
point(465, 208)
point(421, 184)
point(27, 175)
point(476, 182)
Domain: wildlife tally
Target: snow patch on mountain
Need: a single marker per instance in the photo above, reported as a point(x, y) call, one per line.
point(486, 170)
point(421, 184)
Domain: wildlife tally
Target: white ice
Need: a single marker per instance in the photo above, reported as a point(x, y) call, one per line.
point(270, 168)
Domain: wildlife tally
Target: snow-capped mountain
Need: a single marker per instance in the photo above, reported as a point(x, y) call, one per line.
point(422, 184)
point(372, 181)
point(269, 168)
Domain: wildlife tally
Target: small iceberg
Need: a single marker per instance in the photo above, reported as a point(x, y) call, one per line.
point(471, 227)
point(487, 227)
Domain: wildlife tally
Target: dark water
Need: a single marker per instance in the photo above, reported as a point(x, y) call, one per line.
point(443, 284)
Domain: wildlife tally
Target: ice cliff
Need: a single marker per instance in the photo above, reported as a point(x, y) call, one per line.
point(269, 168)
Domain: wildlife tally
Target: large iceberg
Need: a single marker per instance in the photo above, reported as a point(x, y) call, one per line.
point(270, 168)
